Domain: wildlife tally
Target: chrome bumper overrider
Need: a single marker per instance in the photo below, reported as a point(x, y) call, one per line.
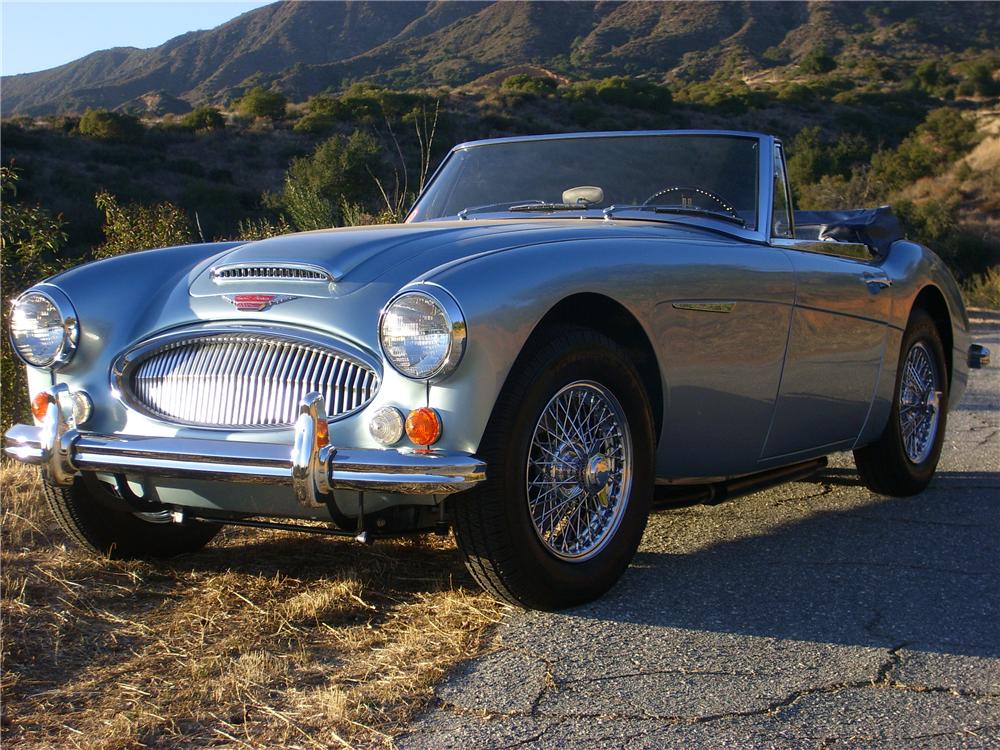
point(311, 466)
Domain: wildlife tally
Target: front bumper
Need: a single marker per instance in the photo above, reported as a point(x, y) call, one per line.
point(311, 466)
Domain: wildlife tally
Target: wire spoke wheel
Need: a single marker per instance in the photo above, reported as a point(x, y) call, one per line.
point(919, 403)
point(579, 471)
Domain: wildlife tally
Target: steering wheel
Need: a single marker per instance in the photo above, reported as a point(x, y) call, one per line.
point(687, 197)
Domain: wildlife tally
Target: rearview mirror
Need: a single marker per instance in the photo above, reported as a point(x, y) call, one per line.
point(586, 195)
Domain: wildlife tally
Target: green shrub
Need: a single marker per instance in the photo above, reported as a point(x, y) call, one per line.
point(103, 125)
point(944, 136)
point(138, 227)
point(622, 91)
point(203, 118)
point(529, 84)
point(31, 239)
point(816, 62)
point(341, 170)
point(260, 102)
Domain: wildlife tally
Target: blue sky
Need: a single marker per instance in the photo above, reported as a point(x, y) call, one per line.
point(39, 35)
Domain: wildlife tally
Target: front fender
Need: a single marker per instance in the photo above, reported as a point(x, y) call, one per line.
point(505, 295)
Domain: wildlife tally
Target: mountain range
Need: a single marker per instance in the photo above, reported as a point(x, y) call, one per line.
point(307, 47)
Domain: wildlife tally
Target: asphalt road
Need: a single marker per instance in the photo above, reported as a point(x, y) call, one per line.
point(814, 614)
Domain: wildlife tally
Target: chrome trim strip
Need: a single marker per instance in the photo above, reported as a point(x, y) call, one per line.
point(312, 469)
point(849, 250)
point(714, 307)
point(347, 367)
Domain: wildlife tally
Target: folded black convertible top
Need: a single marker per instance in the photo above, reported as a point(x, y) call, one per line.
point(876, 227)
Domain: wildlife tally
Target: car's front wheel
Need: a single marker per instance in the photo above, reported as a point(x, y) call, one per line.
point(86, 512)
point(903, 460)
point(569, 451)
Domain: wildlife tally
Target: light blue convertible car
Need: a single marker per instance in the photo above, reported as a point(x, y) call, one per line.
point(563, 324)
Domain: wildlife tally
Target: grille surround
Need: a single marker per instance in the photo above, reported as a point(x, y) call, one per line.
point(243, 377)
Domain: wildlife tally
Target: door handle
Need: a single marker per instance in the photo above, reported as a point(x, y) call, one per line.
point(879, 280)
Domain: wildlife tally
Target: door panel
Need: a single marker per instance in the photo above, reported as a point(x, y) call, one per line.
point(721, 330)
point(835, 350)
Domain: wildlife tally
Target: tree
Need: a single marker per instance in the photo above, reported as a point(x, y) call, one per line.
point(203, 118)
point(103, 125)
point(259, 102)
point(138, 227)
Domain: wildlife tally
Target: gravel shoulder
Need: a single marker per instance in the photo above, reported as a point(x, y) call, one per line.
point(813, 614)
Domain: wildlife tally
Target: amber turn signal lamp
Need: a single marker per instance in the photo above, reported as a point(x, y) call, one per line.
point(423, 426)
point(322, 433)
point(40, 405)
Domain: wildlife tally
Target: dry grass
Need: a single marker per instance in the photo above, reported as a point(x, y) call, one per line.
point(261, 640)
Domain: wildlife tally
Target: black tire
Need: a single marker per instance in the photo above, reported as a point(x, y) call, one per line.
point(493, 525)
point(884, 466)
point(93, 523)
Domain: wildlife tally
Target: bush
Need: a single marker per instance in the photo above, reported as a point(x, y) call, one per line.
point(622, 91)
point(323, 111)
point(259, 102)
point(138, 227)
point(529, 84)
point(31, 239)
point(203, 118)
point(341, 170)
point(817, 62)
point(944, 136)
point(103, 125)
point(983, 290)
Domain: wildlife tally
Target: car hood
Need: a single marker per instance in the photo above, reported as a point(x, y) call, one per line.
point(356, 256)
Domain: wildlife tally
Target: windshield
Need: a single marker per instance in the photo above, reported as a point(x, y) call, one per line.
point(684, 175)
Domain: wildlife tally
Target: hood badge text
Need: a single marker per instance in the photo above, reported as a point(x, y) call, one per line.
point(257, 302)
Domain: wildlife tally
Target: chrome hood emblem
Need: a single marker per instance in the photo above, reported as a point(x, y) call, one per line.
point(256, 302)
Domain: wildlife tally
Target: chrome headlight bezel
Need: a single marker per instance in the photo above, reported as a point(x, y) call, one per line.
point(457, 332)
point(69, 322)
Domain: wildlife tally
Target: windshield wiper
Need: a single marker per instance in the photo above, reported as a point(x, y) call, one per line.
point(536, 205)
point(610, 210)
point(549, 207)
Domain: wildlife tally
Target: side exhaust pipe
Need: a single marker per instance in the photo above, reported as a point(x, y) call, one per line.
point(719, 492)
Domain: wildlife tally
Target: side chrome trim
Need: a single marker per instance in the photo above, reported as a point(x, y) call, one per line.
point(850, 250)
point(312, 468)
point(714, 307)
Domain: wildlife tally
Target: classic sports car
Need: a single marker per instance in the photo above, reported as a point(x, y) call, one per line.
point(563, 323)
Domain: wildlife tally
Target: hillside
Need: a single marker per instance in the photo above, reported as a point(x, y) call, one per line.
point(305, 48)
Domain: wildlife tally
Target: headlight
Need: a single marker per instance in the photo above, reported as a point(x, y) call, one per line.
point(44, 328)
point(423, 335)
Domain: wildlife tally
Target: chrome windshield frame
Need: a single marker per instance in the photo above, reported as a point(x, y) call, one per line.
point(765, 166)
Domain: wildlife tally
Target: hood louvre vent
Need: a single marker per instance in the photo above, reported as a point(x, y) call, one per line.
point(269, 272)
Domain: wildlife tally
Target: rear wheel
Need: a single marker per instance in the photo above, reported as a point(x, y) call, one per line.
point(569, 452)
point(903, 460)
point(92, 522)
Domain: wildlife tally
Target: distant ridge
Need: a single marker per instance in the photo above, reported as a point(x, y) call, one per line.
point(307, 47)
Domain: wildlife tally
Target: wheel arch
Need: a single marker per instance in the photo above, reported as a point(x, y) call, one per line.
point(609, 317)
point(931, 300)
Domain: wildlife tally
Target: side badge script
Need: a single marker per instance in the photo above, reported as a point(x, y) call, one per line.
point(256, 302)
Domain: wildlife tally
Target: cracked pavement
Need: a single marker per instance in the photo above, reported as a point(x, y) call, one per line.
point(813, 614)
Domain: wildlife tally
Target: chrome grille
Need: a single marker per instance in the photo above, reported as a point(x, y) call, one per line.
point(269, 272)
point(246, 381)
